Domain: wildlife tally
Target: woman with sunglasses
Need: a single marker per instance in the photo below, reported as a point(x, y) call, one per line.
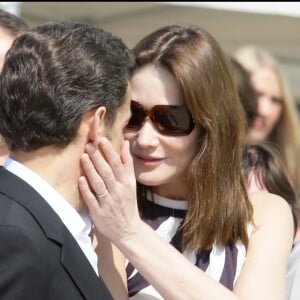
point(193, 232)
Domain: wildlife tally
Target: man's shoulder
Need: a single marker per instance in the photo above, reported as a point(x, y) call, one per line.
point(14, 215)
point(5, 206)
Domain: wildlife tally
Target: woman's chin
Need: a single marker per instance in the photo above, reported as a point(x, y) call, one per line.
point(147, 179)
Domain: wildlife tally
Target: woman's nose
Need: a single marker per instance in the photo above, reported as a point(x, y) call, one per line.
point(264, 106)
point(147, 136)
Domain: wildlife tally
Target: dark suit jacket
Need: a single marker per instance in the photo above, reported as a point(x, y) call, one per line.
point(39, 258)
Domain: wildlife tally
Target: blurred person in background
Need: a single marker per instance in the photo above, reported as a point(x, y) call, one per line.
point(277, 120)
point(11, 26)
point(264, 171)
point(264, 167)
point(270, 171)
point(245, 90)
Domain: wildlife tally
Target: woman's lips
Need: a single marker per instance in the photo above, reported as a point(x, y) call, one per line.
point(259, 124)
point(148, 160)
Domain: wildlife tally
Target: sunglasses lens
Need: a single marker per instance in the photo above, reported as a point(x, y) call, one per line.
point(173, 120)
point(167, 119)
point(137, 116)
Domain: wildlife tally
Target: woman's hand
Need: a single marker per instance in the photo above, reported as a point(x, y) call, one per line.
point(109, 189)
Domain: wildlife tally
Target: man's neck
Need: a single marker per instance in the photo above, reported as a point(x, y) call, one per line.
point(60, 167)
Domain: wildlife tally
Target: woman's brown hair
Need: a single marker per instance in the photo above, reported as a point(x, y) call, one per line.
point(265, 162)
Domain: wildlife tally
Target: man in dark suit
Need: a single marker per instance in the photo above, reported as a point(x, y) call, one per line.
point(63, 85)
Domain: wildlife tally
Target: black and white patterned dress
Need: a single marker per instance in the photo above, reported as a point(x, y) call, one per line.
point(221, 263)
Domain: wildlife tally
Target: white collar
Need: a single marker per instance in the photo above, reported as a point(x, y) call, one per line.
point(167, 202)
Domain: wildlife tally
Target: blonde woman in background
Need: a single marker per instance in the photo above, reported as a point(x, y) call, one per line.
point(277, 120)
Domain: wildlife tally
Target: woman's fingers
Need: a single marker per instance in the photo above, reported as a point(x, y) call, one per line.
point(114, 160)
point(110, 165)
point(102, 170)
point(127, 161)
point(87, 195)
point(126, 158)
point(95, 181)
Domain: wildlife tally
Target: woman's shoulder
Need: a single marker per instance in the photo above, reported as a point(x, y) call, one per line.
point(268, 207)
point(266, 198)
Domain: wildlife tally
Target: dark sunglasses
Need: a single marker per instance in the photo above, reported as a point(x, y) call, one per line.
point(167, 119)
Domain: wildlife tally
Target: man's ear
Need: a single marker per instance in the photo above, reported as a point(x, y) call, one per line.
point(97, 126)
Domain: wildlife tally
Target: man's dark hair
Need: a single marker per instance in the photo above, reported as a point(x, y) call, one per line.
point(53, 74)
point(12, 24)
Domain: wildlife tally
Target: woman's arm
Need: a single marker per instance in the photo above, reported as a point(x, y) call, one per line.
point(111, 266)
point(264, 272)
point(116, 216)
